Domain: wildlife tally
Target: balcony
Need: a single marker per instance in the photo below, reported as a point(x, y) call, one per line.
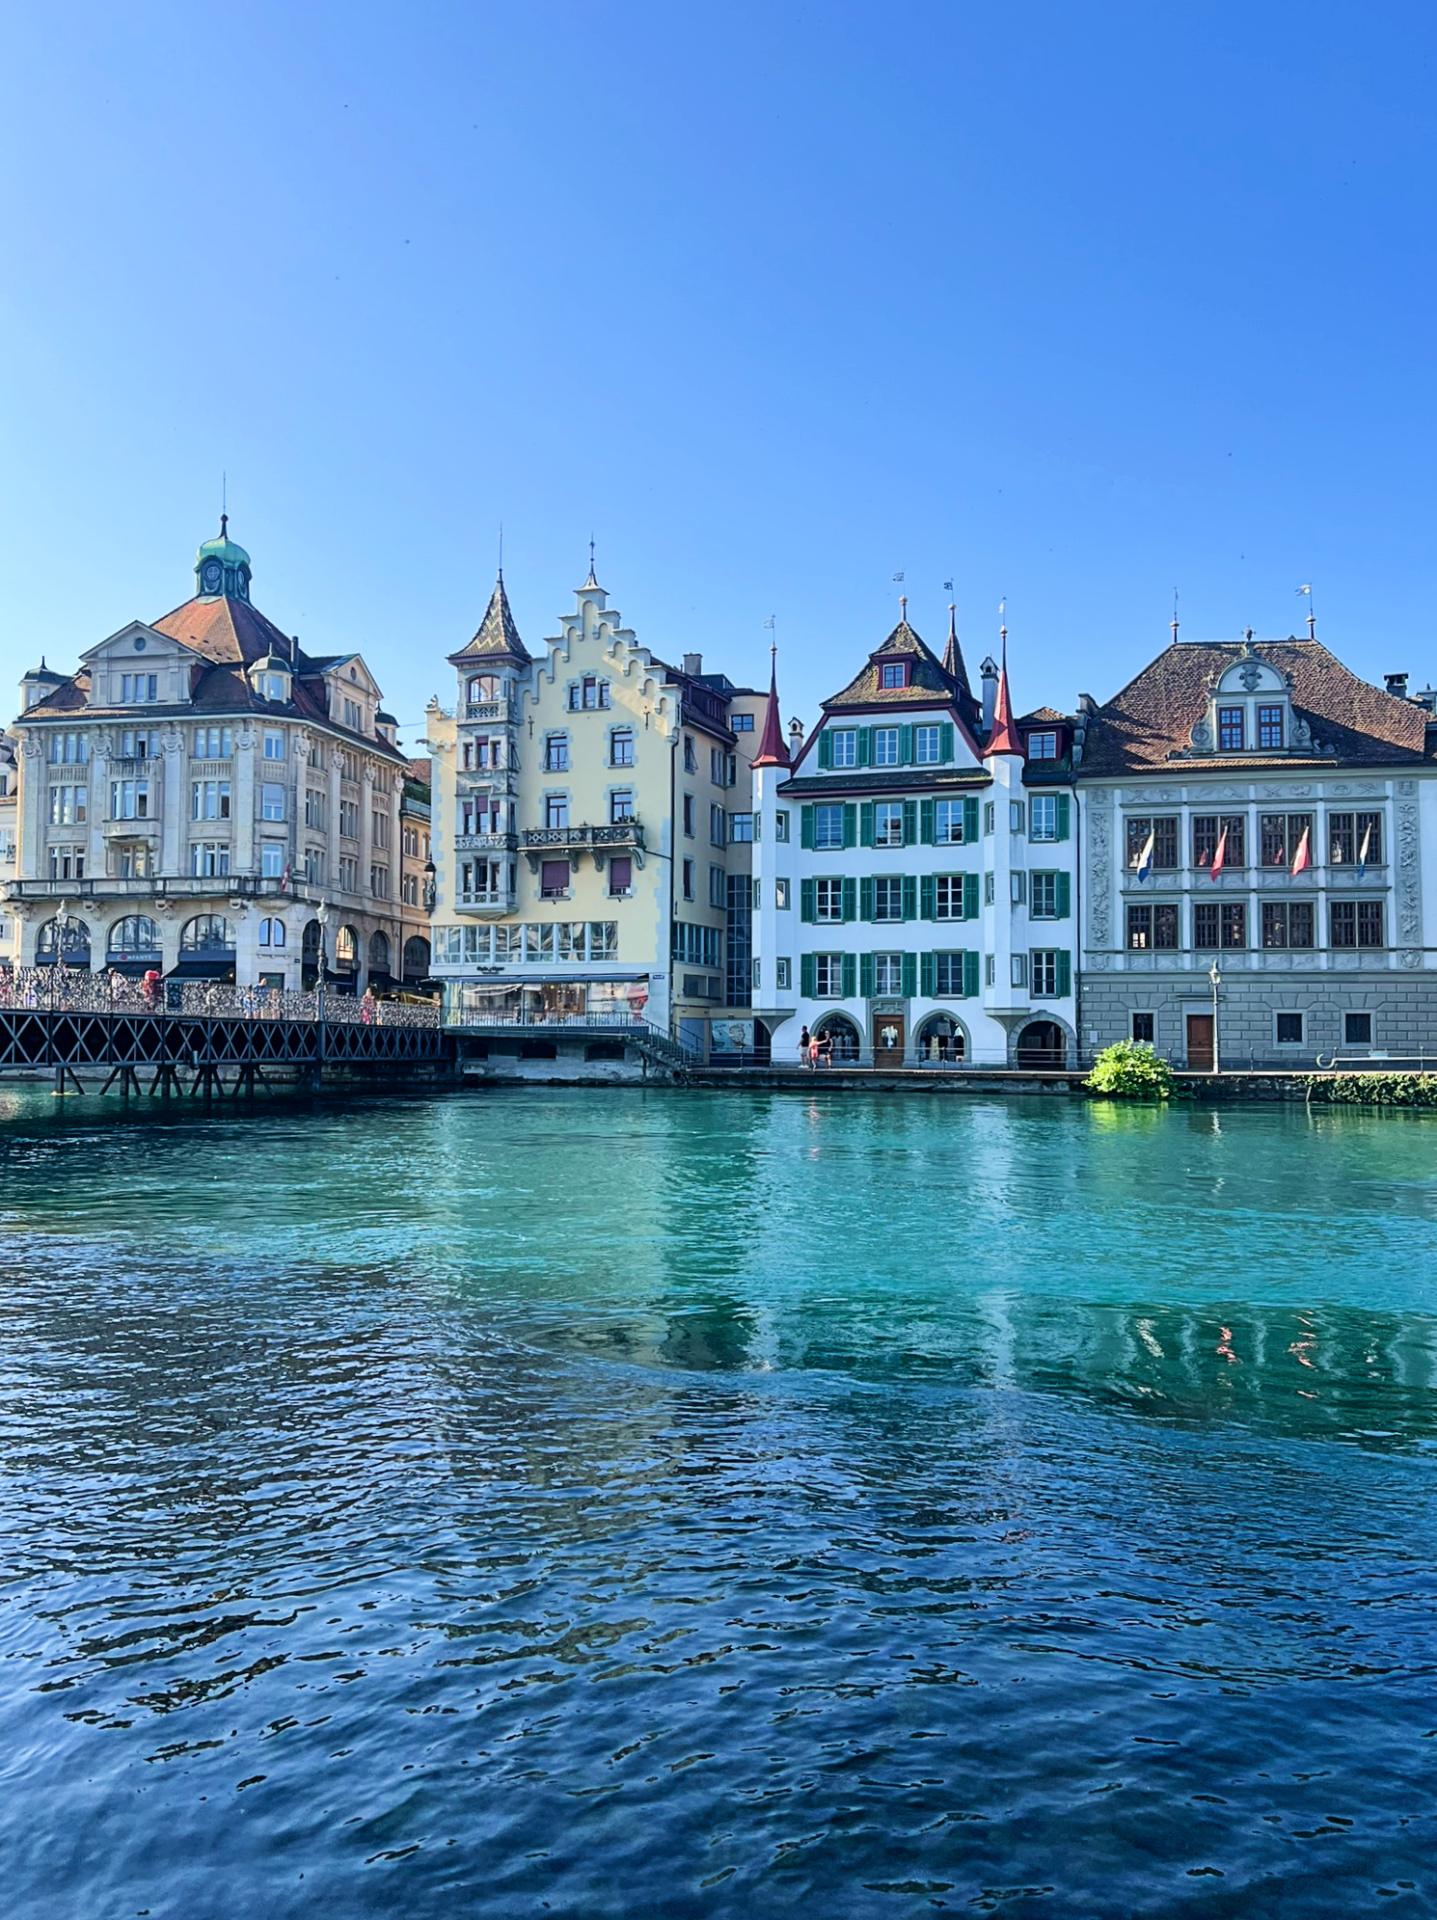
point(506, 712)
point(627, 835)
point(492, 901)
point(230, 886)
point(486, 842)
point(146, 829)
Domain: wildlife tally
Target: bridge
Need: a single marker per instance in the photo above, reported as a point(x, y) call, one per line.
point(173, 1037)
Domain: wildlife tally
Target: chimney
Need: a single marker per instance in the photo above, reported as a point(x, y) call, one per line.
point(1427, 698)
point(1086, 703)
point(795, 737)
point(989, 671)
point(693, 665)
point(1396, 685)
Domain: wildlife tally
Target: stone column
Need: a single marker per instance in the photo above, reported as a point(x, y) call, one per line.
point(32, 813)
point(101, 747)
point(244, 803)
point(173, 801)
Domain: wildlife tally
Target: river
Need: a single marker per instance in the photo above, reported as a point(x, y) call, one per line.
point(609, 1503)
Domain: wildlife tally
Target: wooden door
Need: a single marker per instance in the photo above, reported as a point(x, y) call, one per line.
point(888, 1040)
point(1200, 1042)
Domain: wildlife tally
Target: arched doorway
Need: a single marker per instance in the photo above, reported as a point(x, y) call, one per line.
point(346, 960)
point(844, 1035)
point(416, 959)
point(207, 949)
point(379, 974)
point(941, 1041)
point(70, 946)
point(1042, 1044)
point(134, 945)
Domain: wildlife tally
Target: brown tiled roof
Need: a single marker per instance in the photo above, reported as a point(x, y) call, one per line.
point(1152, 718)
point(224, 630)
point(498, 636)
point(1041, 717)
point(927, 680)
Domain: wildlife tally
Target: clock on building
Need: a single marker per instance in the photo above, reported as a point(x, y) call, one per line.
point(213, 574)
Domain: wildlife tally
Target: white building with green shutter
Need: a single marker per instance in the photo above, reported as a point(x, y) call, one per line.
point(914, 867)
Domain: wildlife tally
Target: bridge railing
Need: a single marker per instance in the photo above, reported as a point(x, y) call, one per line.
point(59, 990)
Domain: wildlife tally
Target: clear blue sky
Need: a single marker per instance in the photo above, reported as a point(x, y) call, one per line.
point(1068, 304)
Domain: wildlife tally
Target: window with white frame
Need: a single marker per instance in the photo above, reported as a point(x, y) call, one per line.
point(927, 745)
point(271, 859)
point(273, 744)
point(137, 687)
point(843, 750)
point(209, 859)
point(783, 973)
point(828, 976)
point(271, 806)
point(1043, 817)
point(1042, 746)
point(887, 974)
point(948, 896)
point(828, 899)
point(885, 746)
point(209, 800)
point(888, 823)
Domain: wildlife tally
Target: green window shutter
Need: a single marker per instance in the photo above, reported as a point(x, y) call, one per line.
point(926, 973)
point(825, 748)
point(910, 975)
point(905, 746)
point(865, 746)
point(865, 971)
point(1063, 810)
point(970, 896)
point(806, 903)
point(970, 975)
point(910, 897)
point(865, 898)
point(925, 816)
point(1065, 975)
point(849, 985)
point(1064, 890)
point(910, 823)
point(926, 893)
point(805, 830)
point(970, 822)
point(850, 816)
point(850, 902)
point(865, 836)
point(806, 982)
point(945, 742)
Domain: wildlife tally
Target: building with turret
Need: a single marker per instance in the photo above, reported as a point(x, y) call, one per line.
point(914, 865)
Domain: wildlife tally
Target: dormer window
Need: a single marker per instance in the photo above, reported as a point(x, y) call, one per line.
point(1230, 731)
point(1042, 746)
point(1269, 727)
point(893, 674)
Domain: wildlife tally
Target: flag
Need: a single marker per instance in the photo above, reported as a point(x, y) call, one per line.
point(1307, 590)
point(1303, 859)
point(284, 880)
point(1363, 850)
point(898, 576)
point(769, 621)
point(1144, 861)
point(948, 586)
point(1219, 858)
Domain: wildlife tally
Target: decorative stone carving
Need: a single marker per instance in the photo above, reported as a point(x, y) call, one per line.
point(1301, 732)
point(1201, 737)
point(1409, 873)
point(1100, 870)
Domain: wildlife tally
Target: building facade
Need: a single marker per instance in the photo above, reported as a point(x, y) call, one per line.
point(1255, 809)
point(588, 806)
point(197, 790)
point(416, 873)
point(915, 864)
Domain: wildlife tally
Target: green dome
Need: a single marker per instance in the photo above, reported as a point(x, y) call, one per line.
point(222, 566)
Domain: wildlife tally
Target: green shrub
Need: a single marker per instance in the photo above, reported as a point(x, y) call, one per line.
point(1377, 1089)
point(1131, 1070)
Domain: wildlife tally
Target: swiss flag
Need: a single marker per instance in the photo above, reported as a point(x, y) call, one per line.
point(1303, 858)
point(1221, 855)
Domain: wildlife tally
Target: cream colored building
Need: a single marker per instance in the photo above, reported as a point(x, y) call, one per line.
point(585, 805)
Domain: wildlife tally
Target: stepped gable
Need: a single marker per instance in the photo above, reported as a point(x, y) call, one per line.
point(928, 684)
point(1141, 728)
point(498, 635)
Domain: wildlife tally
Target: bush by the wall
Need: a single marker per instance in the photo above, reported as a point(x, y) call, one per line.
point(1131, 1070)
point(1377, 1089)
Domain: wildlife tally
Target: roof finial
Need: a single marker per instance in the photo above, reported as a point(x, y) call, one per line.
point(1311, 616)
point(224, 526)
point(501, 549)
point(1003, 624)
point(1174, 621)
point(903, 608)
point(592, 580)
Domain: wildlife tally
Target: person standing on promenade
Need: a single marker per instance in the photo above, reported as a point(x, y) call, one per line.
point(803, 1044)
point(825, 1050)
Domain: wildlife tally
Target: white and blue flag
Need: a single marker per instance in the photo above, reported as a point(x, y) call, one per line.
point(1144, 861)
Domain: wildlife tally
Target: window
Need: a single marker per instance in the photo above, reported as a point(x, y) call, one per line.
point(885, 746)
point(621, 806)
point(1015, 816)
point(989, 818)
point(948, 901)
point(844, 747)
point(990, 890)
point(556, 753)
point(948, 976)
point(556, 811)
point(1017, 888)
point(689, 815)
point(1164, 831)
point(948, 823)
point(349, 873)
point(1357, 1029)
point(379, 882)
point(1051, 975)
point(1208, 832)
point(1043, 896)
point(741, 722)
point(1048, 817)
point(1354, 837)
point(1289, 1025)
point(828, 900)
point(348, 764)
point(1356, 923)
point(271, 801)
point(211, 743)
point(1018, 969)
point(314, 809)
point(349, 819)
point(780, 895)
point(717, 836)
point(210, 859)
point(271, 933)
point(1231, 734)
point(888, 898)
point(272, 860)
point(589, 694)
point(353, 713)
point(409, 889)
point(691, 758)
point(718, 887)
point(135, 687)
point(718, 766)
point(273, 688)
point(139, 743)
point(927, 746)
point(621, 876)
point(740, 827)
point(69, 749)
point(1143, 1027)
point(69, 806)
point(1281, 836)
point(828, 976)
point(314, 866)
point(273, 745)
point(783, 973)
point(827, 827)
point(780, 824)
point(1269, 734)
point(697, 946)
point(888, 823)
point(688, 879)
point(892, 674)
point(1152, 927)
point(1042, 746)
point(209, 800)
point(621, 747)
point(887, 975)
point(554, 879)
point(1223, 925)
point(129, 799)
point(67, 863)
point(1287, 923)
point(990, 970)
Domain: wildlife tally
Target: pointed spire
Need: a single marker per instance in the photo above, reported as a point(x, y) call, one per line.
point(592, 581)
point(771, 750)
point(498, 636)
point(953, 654)
point(1004, 737)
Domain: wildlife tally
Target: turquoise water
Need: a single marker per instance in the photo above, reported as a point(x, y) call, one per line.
point(605, 1503)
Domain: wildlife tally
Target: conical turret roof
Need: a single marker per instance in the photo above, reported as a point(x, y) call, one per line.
point(772, 752)
point(498, 637)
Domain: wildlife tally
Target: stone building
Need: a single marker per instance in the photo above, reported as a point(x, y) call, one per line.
point(197, 790)
point(1256, 808)
point(915, 870)
point(416, 872)
point(588, 806)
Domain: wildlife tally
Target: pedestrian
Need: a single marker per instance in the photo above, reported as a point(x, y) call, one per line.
point(366, 1007)
point(825, 1050)
point(813, 1051)
point(803, 1047)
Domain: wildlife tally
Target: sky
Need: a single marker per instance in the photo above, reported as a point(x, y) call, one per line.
point(1072, 306)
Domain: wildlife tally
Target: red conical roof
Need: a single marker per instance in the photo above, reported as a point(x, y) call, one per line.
point(771, 750)
point(1004, 737)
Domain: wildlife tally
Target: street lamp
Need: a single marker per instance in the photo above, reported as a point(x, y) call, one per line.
point(1216, 979)
point(322, 915)
point(62, 927)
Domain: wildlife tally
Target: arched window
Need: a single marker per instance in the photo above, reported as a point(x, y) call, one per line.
point(207, 933)
point(311, 941)
point(346, 949)
point(136, 937)
point(1042, 1043)
point(379, 952)
point(843, 1034)
point(416, 958)
point(271, 933)
point(72, 946)
point(941, 1039)
point(483, 686)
